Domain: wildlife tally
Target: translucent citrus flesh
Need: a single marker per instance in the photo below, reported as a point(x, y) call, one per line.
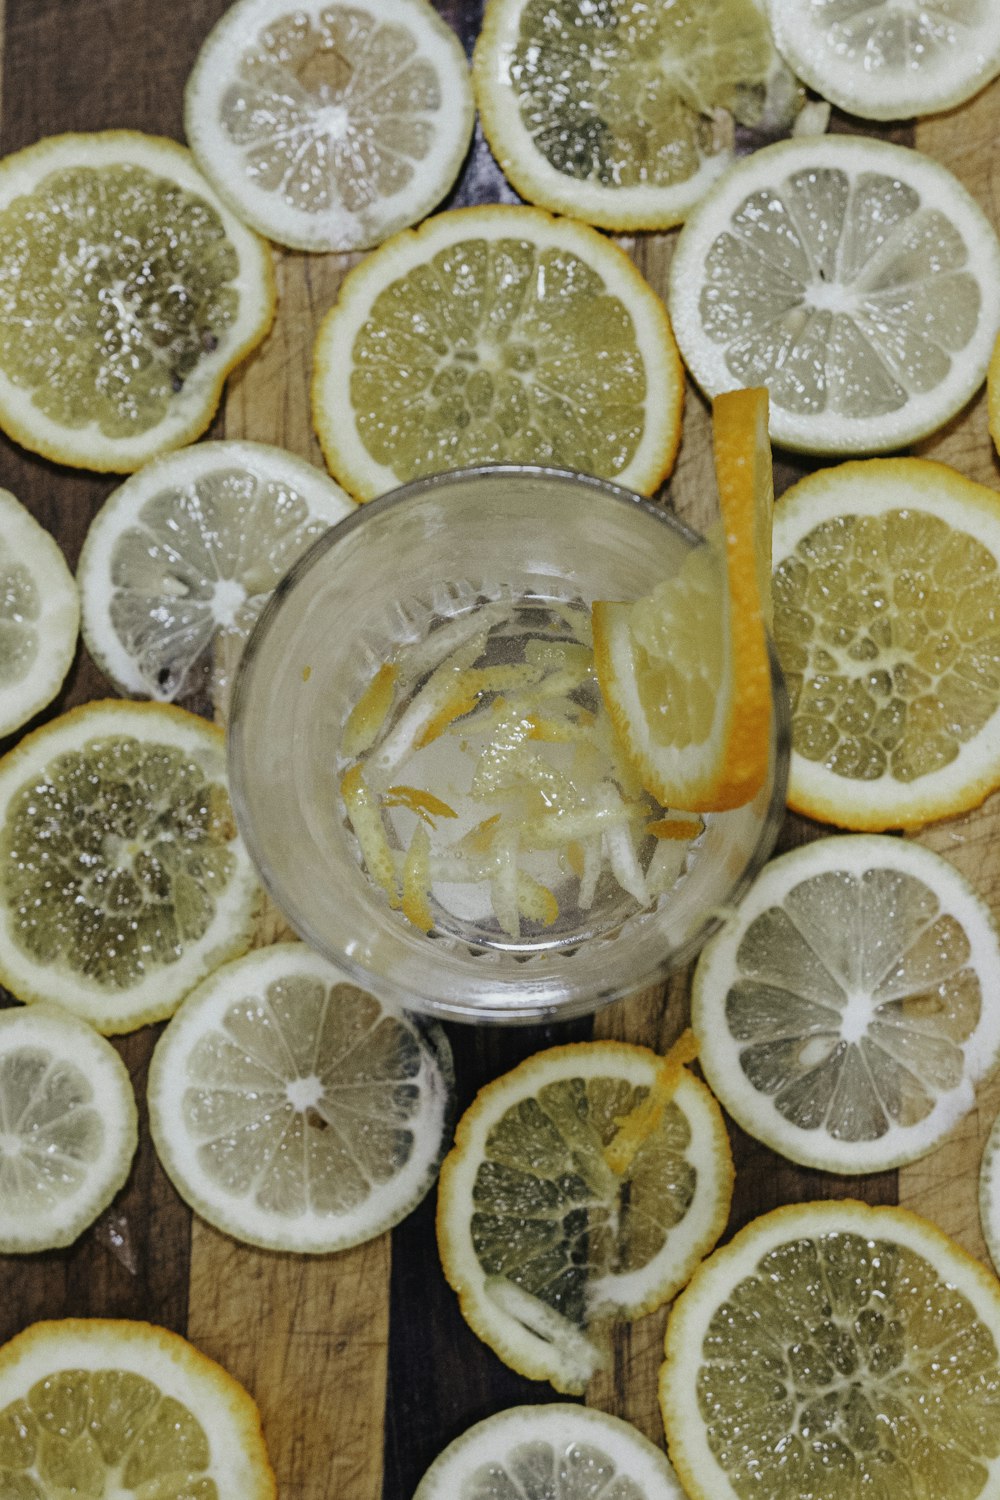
point(20, 608)
point(47, 1105)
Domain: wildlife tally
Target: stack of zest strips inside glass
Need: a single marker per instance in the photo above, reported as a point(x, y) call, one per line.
point(485, 773)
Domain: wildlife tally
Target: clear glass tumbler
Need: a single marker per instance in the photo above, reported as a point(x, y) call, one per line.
point(389, 575)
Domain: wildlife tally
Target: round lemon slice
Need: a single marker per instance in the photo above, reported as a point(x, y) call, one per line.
point(574, 1452)
point(123, 880)
point(888, 59)
point(623, 114)
point(886, 574)
point(857, 280)
point(585, 1185)
point(101, 1406)
point(39, 615)
point(127, 294)
point(835, 1349)
point(292, 1110)
point(181, 558)
point(68, 1128)
point(845, 1012)
point(330, 126)
point(496, 334)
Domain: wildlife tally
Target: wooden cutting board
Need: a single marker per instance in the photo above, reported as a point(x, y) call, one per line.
point(360, 1362)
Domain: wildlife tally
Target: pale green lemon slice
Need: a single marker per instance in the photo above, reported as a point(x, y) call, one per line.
point(292, 1110)
point(68, 1127)
point(123, 880)
point(103, 1407)
point(39, 615)
point(330, 126)
point(127, 294)
point(989, 1193)
point(857, 280)
point(180, 560)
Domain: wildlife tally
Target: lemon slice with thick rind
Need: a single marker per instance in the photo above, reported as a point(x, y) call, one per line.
point(181, 558)
point(834, 1348)
point(584, 1186)
point(496, 334)
point(844, 1013)
point(886, 573)
point(101, 1406)
point(888, 59)
point(292, 1109)
point(623, 114)
point(127, 294)
point(330, 126)
point(573, 1452)
point(69, 1128)
point(123, 880)
point(857, 280)
point(39, 615)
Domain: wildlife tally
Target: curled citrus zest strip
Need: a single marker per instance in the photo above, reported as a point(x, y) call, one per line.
point(370, 712)
point(453, 708)
point(417, 881)
point(423, 803)
point(636, 1127)
point(365, 816)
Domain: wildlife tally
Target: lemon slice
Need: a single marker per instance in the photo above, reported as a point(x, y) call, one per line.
point(39, 615)
point(889, 59)
point(624, 113)
point(573, 1452)
point(844, 1012)
point(835, 1349)
point(122, 878)
point(993, 390)
point(856, 279)
point(496, 334)
point(68, 1128)
point(100, 1406)
point(584, 1185)
point(684, 672)
point(330, 126)
point(989, 1193)
point(127, 294)
point(292, 1110)
point(886, 574)
point(181, 558)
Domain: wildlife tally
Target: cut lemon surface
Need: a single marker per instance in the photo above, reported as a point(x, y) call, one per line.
point(889, 59)
point(885, 582)
point(845, 1012)
point(181, 558)
point(68, 1128)
point(39, 615)
point(584, 1186)
point(685, 671)
point(559, 1451)
point(330, 126)
point(127, 294)
point(496, 334)
point(292, 1110)
point(102, 1407)
point(832, 1349)
point(123, 880)
point(857, 280)
point(622, 114)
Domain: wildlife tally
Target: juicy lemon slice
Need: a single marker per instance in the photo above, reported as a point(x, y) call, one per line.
point(292, 1110)
point(835, 1349)
point(685, 671)
point(886, 574)
point(888, 59)
point(127, 294)
point(123, 880)
point(574, 1452)
point(68, 1124)
point(993, 384)
point(856, 279)
point(99, 1406)
point(496, 334)
point(330, 126)
point(180, 560)
point(623, 114)
point(39, 615)
point(843, 1013)
point(584, 1185)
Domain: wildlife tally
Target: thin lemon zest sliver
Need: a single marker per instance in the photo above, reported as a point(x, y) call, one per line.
point(365, 816)
point(453, 708)
point(417, 881)
point(675, 828)
point(418, 801)
point(635, 1128)
point(535, 901)
point(370, 712)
